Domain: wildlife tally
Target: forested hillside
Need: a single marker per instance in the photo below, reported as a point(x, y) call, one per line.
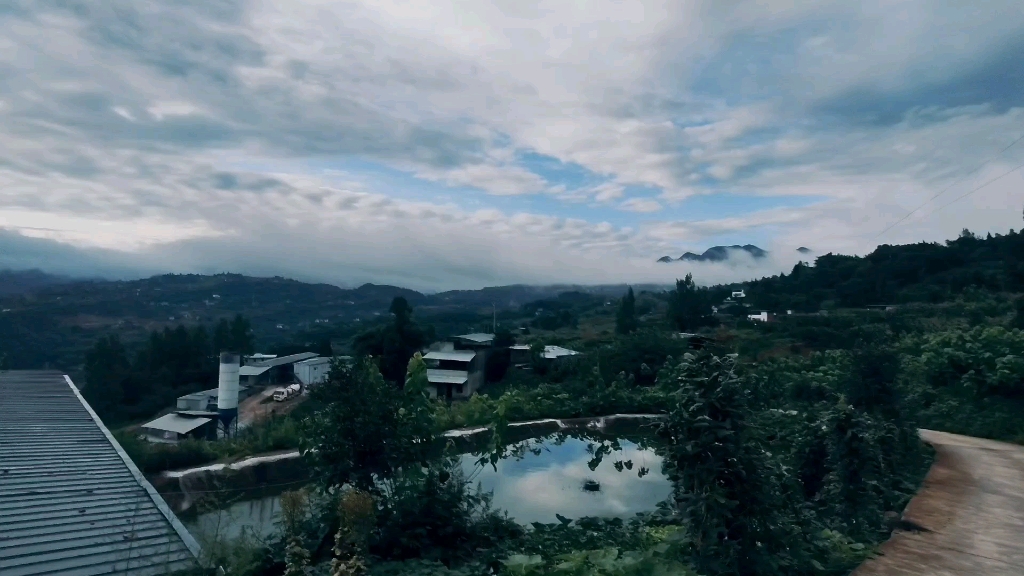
point(923, 272)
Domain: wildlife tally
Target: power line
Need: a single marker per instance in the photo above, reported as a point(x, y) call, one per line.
point(961, 197)
point(955, 182)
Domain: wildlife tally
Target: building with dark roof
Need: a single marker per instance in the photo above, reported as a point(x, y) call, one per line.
point(71, 500)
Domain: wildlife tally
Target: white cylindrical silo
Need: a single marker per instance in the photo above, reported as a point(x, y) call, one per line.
point(227, 389)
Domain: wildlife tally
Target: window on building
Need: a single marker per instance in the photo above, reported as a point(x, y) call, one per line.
point(458, 389)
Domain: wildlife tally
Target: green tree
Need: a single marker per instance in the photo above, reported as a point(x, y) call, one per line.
point(365, 429)
point(222, 337)
point(538, 363)
point(625, 320)
point(416, 375)
point(402, 312)
point(689, 306)
point(1018, 317)
point(356, 518)
point(324, 348)
point(500, 358)
point(393, 345)
point(857, 484)
point(294, 509)
point(242, 340)
point(724, 482)
point(107, 371)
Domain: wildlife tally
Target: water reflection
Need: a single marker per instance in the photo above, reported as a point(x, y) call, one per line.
point(537, 487)
point(254, 517)
point(531, 489)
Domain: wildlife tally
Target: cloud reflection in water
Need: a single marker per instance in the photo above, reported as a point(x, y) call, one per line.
point(537, 487)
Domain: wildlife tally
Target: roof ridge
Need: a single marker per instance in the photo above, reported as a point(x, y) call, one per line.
point(158, 501)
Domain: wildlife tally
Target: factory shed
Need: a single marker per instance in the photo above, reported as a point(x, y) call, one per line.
point(280, 370)
point(170, 428)
point(71, 500)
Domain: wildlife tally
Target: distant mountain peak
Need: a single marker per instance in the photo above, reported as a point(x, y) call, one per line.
point(717, 254)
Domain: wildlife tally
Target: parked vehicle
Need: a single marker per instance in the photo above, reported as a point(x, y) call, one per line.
point(282, 394)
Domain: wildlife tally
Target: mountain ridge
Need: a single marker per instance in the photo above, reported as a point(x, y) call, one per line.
point(717, 254)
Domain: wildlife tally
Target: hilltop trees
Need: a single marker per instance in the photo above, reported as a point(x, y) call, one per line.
point(395, 344)
point(625, 320)
point(171, 362)
point(234, 336)
point(1018, 317)
point(107, 376)
point(689, 306)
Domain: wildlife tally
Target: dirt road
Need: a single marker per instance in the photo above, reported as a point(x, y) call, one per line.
point(970, 509)
point(253, 409)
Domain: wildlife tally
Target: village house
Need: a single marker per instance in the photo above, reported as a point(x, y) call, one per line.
point(454, 373)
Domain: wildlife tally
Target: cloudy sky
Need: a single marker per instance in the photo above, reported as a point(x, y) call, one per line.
point(457, 144)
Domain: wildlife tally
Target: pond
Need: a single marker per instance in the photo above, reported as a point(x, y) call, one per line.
point(531, 488)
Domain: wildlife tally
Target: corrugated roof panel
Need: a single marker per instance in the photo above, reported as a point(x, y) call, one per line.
point(176, 423)
point(478, 337)
point(251, 370)
point(291, 359)
point(71, 501)
point(447, 376)
point(456, 356)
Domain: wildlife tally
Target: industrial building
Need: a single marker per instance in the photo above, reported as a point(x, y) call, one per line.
point(312, 371)
point(71, 500)
point(204, 415)
point(277, 370)
point(172, 428)
point(206, 400)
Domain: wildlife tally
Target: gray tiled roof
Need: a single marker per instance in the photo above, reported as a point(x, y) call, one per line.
point(71, 501)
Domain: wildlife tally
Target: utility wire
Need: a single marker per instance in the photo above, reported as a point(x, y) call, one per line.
point(955, 182)
point(961, 197)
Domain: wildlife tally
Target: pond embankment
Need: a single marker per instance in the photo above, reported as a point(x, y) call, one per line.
point(267, 474)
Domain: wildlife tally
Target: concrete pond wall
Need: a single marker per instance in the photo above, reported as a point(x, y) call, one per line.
point(185, 490)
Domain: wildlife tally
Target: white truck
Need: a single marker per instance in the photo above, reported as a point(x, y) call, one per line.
point(282, 394)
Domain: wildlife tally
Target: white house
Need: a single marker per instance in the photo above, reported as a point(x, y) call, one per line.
point(739, 294)
point(313, 371)
point(761, 317)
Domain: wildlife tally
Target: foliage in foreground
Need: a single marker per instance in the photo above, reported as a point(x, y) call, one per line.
point(790, 466)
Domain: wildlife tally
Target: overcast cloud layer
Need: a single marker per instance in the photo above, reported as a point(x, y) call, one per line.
point(460, 144)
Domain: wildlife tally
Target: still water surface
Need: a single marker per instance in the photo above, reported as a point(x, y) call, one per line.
point(531, 489)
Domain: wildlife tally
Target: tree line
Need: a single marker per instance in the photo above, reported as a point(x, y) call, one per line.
point(124, 383)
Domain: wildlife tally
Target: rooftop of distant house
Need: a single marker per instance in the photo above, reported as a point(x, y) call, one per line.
point(550, 352)
point(451, 355)
point(477, 337)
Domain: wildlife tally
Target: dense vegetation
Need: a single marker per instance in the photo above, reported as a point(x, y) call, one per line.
point(170, 364)
point(791, 444)
point(924, 272)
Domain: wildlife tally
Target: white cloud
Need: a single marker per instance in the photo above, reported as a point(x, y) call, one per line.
point(160, 126)
point(641, 205)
